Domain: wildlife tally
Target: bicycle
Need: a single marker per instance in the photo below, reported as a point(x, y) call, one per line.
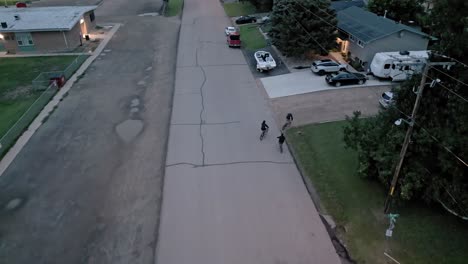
point(286, 125)
point(263, 134)
point(281, 147)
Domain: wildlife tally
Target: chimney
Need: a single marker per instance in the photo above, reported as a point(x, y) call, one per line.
point(4, 25)
point(17, 17)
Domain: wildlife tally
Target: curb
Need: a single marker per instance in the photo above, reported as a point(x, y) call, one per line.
point(339, 246)
point(49, 108)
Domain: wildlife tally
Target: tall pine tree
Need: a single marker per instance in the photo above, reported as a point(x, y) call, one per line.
point(302, 26)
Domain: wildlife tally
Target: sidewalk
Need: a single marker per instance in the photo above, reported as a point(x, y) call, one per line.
point(24, 138)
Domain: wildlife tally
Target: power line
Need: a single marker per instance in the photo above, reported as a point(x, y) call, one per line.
point(447, 57)
point(308, 33)
point(424, 75)
point(450, 90)
point(306, 9)
point(443, 146)
point(450, 76)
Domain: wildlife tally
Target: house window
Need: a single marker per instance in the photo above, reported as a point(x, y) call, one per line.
point(91, 16)
point(24, 39)
point(360, 44)
point(352, 38)
point(386, 66)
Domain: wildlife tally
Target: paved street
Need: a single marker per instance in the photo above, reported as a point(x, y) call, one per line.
point(229, 198)
point(89, 181)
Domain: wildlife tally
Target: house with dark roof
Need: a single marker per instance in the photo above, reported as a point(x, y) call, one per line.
point(363, 34)
point(343, 4)
point(45, 29)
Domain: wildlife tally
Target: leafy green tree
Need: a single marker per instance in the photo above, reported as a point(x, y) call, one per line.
point(404, 10)
point(431, 170)
point(434, 169)
point(302, 26)
point(448, 21)
point(263, 5)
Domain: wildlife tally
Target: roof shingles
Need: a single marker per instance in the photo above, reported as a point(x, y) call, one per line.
point(61, 18)
point(367, 26)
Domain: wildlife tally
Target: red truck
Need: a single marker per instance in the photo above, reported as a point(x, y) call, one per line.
point(233, 39)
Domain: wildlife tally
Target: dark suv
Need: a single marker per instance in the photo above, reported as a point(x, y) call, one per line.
point(246, 20)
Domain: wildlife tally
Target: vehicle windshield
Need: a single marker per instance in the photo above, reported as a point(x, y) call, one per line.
point(234, 37)
point(386, 96)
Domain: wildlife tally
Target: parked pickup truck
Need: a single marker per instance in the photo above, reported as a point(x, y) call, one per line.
point(233, 39)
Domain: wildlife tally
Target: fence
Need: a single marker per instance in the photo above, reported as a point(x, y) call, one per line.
point(23, 122)
point(43, 81)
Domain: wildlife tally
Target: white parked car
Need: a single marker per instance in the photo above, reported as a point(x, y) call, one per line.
point(387, 99)
point(265, 61)
point(229, 30)
point(326, 66)
point(264, 19)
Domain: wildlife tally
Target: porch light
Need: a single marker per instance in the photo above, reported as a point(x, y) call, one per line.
point(81, 21)
point(1, 36)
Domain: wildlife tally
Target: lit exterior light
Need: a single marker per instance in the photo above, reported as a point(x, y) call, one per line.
point(81, 21)
point(1, 36)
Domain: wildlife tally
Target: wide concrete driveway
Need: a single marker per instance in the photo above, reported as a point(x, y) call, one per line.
point(305, 82)
point(228, 197)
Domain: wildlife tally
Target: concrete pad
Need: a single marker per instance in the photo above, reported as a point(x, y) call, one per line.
point(190, 80)
point(331, 105)
point(187, 108)
point(215, 217)
point(184, 145)
point(218, 53)
point(242, 144)
point(304, 82)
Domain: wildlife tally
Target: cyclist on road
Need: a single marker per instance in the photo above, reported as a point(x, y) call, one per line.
point(281, 140)
point(289, 119)
point(264, 126)
point(264, 129)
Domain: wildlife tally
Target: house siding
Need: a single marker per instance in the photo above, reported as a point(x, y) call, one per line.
point(10, 45)
point(409, 41)
point(52, 41)
point(90, 26)
point(73, 36)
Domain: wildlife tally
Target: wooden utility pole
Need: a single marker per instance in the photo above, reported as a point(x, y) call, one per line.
point(407, 140)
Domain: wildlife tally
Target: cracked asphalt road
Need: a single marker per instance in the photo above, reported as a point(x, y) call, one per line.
point(90, 178)
point(228, 197)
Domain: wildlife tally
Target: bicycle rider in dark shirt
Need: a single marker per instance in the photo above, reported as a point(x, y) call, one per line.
point(281, 139)
point(264, 126)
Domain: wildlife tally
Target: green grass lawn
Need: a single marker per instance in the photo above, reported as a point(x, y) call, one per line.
point(12, 2)
point(422, 235)
point(174, 7)
point(251, 37)
point(239, 9)
point(16, 75)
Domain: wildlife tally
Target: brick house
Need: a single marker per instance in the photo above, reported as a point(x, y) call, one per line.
point(45, 29)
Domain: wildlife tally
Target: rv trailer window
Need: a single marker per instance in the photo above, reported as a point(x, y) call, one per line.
point(387, 66)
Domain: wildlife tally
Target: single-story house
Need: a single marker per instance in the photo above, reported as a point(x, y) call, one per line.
point(363, 34)
point(45, 29)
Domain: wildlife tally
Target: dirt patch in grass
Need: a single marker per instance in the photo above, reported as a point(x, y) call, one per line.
point(19, 92)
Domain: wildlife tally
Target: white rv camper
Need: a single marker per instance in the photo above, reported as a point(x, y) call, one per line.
point(398, 66)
